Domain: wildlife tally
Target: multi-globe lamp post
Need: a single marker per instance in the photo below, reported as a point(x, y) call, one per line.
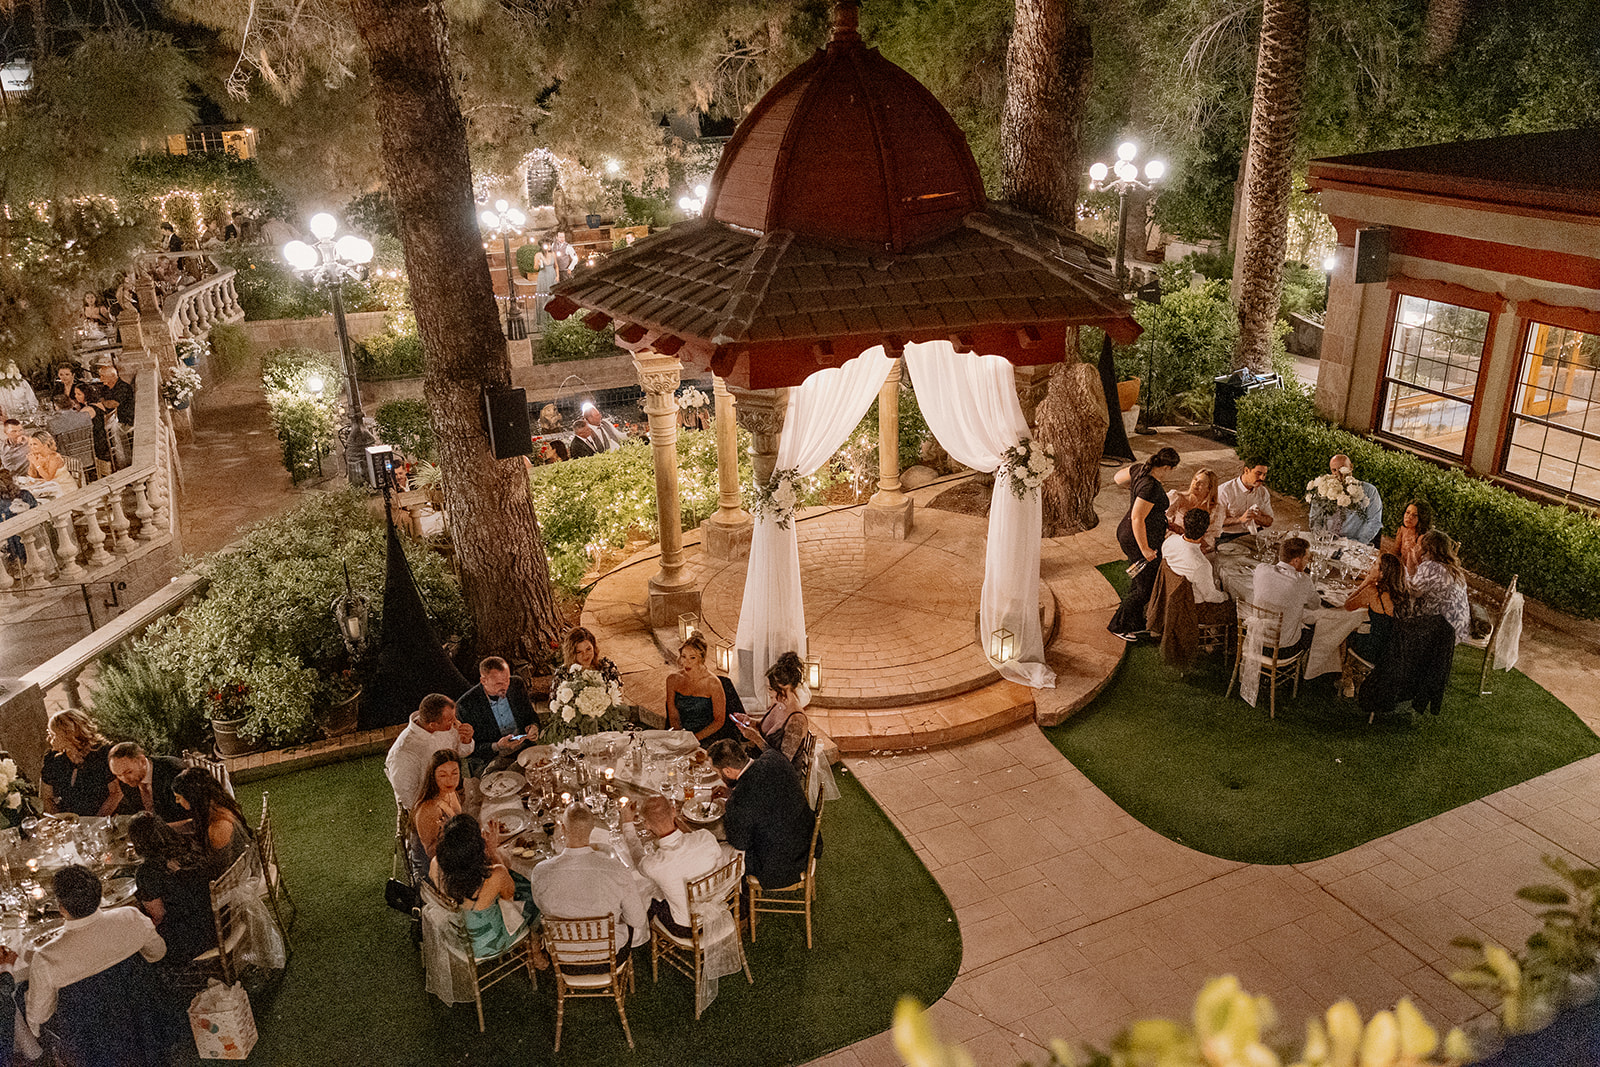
point(1124, 178)
point(505, 220)
point(327, 265)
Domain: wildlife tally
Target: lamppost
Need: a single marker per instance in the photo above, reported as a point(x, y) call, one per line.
point(506, 220)
point(327, 265)
point(1125, 182)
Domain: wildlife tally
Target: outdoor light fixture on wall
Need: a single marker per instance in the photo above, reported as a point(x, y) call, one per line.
point(688, 625)
point(1002, 646)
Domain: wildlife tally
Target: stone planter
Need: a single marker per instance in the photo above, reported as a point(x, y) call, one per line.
point(229, 743)
point(341, 718)
point(592, 221)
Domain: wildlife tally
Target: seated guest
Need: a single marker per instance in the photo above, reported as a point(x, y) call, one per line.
point(1185, 554)
point(46, 463)
point(1440, 583)
point(472, 874)
point(1359, 522)
point(502, 717)
point(92, 941)
point(785, 726)
point(585, 442)
point(173, 888)
point(580, 648)
point(433, 726)
point(1202, 494)
point(147, 782)
point(220, 833)
point(679, 859)
point(579, 883)
point(1384, 595)
point(76, 776)
point(14, 448)
point(1416, 521)
point(696, 698)
point(440, 801)
point(767, 817)
point(1286, 588)
point(1245, 500)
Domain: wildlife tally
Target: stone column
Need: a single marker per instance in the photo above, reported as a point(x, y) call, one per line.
point(761, 412)
point(1034, 382)
point(670, 592)
point(888, 513)
point(726, 535)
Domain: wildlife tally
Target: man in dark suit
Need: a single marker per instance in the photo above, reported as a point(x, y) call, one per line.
point(146, 782)
point(503, 718)
point(767, 817)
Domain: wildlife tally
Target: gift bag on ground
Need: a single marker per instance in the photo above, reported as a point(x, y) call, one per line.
point(224, 1027)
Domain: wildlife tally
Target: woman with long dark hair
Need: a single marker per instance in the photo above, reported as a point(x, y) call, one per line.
point(468, 871)
point(785, 725)
point(1385, 597)
point(173, 887)
point(1416, 521)
point(220, 832)
point(1440, 583)
point(440, 801)
point(1140, 534)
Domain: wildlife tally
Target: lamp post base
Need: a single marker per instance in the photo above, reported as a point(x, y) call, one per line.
point(355, 454)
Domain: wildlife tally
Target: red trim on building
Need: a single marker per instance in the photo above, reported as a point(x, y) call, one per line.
point(1444, 293)
point(1581, 319)
point(1325, 179)
point(1561, 267)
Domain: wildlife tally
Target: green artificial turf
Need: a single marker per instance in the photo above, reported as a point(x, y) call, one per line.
point(353, 992)
point(1219, 776)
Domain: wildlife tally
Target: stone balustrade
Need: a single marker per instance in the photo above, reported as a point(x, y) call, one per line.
point(194, 309)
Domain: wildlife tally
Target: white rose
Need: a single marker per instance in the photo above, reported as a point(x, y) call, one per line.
point(14, 801)
point(593, 702)
point(783, 497)
point(567, 714)
point(9, 766)
point(1343, 500)
point(1038, 462)
point(564, 694)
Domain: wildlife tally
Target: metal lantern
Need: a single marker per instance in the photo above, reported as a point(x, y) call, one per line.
point(1002, 646)
point(688, 624)
point(724, 652)
point(813, 674)
point(350, 612)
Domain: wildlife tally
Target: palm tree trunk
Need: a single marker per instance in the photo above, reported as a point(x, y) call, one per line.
point(505, 575)
point(1048, 67)
point(1441, 28)
point(1274, 127)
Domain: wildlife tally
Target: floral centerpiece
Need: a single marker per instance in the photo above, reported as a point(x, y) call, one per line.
point(1028, 463)
point(583, 702)
point(179, 386)
point(777, 499)
point(692, 399)
point(1331, 496)
point(16, 792)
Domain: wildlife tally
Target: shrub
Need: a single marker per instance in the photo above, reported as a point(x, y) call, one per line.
point(404, 424)
point(135, 699)
point(270, 290)
point(230, 350)
point(1305, 291)
point(265, 622)
point(302, 415)
point(1188, 339)
point(389, 355)
point(525, 258)
point(1554, 549)
point(571, 339)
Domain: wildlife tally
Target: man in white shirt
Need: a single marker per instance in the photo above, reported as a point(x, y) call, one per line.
point(91, 941)
point(1285, 587)
point(433, 727)
point(679, 859)
point(1186, 556)
point(606, 435)
point(14, 448)
point(1243, 500)
point(581, 883)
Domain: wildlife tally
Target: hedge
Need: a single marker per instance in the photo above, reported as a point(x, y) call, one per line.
point(1555, 550)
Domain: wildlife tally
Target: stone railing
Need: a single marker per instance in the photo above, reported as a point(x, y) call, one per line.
point(194, 309)
point(84, 535)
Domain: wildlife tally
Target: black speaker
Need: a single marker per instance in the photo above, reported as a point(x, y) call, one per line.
point(1372, 255)
point(505, 420)
point(380, 465)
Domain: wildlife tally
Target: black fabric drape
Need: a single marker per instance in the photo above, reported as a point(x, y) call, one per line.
point(411, 661)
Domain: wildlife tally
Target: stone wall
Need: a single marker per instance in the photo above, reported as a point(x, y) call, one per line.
point(318, 333)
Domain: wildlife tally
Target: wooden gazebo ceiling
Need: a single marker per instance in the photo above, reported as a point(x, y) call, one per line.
point(770, 310)
point(847, 212)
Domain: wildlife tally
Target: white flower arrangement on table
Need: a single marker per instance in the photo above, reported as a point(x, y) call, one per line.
point(180, 385)
point(15, 790)
point(1341, 490)
point(583, 702)
point(776, 499)
point(1028, 463)
point(692, 399)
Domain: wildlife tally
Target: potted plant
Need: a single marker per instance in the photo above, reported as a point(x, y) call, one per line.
point(342, 710)
point(190, 349)
point(228, 708)
point(179, 386)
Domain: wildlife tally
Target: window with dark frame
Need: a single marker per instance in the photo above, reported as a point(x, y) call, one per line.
point(1553, 438)
point(1431, 372)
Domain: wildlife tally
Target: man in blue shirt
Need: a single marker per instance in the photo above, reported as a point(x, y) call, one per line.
point(503, 718)
point(1362, 523)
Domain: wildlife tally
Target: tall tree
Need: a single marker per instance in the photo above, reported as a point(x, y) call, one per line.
point(1442, 27)
point(504, 571)
point(1048, 66)
point(1269, 173)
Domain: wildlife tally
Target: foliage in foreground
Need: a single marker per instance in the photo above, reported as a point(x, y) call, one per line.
point(266, 619)
point(570, 339)
point(404, 424)
point(1230, 1028)
point(1555, 550)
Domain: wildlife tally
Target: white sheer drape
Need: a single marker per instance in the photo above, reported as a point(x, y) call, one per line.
point(820, 415)
point(971, 405)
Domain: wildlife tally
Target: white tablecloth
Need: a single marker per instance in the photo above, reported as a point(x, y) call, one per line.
point(1333, 625)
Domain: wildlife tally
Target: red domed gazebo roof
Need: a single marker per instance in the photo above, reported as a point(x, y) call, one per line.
point(847, 212)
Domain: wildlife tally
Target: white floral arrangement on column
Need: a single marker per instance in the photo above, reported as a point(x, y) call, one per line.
point(1341, 490)
point(180, 385)
point(776, 499)
point(583, 702)
point(692, 399)
point(1028, 463)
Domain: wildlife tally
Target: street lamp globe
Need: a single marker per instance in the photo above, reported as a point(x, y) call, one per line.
point(1098, 172)
point(1127, 150)
point(516, 217)
point(501, 205)
point(489, 219)
point(1154, 169)
point(355, 249)
point(700, 192)
point(1329, 262)
point(300, 255)
point(323, 225)
point(1126, 171)
point(314, 385)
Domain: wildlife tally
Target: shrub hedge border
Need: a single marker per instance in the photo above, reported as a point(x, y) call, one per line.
point(1554, 549)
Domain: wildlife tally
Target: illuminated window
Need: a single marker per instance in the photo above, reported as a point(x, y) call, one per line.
point(1431, 375)
point(1555, 424)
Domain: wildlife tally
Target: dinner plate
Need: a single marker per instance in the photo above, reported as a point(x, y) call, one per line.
point(1232, 548)
point(501, 784)
point(537, 758)
point(118, 891)
point(512, 821)
point(703, 811)
point(675, 742)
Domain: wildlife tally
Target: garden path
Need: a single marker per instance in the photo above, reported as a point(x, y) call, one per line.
point(1077, 919)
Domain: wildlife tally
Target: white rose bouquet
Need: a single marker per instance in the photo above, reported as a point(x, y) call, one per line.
point(692, 399)
point(583, 702)
point(777, 499)
point(1331, 496)
point(16, 792)
point(1028, 463)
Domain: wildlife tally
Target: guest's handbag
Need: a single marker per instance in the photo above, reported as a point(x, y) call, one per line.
point(401, 897)
point(223, 1025)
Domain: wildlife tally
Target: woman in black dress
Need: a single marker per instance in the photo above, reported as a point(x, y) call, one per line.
point(1140, 534)
point(697, 701)
point(173, 888)
point(76, 776)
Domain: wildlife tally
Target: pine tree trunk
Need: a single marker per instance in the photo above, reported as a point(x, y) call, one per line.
point(1048, 68)
point(1441, 28)
point(1274, 127)
point(505, 575)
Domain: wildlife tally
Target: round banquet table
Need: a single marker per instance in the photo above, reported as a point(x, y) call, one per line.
point(1335, 581)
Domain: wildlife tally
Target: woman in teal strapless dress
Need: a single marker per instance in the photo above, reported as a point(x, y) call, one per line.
point(465, 870)
point(697, 700)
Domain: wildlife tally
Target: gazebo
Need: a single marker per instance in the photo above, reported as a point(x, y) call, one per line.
point(846, 220)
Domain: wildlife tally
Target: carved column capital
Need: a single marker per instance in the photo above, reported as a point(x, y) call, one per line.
point(659, 377)
point(761, 412)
